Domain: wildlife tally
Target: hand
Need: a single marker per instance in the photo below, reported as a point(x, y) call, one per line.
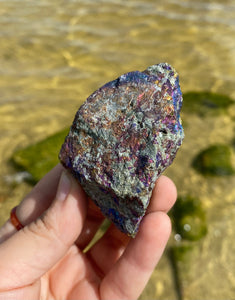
point(45, 259)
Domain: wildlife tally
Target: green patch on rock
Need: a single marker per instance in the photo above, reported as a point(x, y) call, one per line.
point(189, 218)
point(203, 102)
point(214, 161)
point(181, 252)
point(40, 158)
point(233, 143)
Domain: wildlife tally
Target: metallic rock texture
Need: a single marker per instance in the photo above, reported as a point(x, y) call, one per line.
point(121, 140)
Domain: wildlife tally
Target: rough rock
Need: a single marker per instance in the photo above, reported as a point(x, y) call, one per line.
point(121, 140)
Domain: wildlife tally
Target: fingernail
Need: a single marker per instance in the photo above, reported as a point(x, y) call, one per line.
point(63, 187)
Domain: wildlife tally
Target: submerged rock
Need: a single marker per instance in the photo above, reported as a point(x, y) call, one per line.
point(203, 103)
point(215, 160)
point(189, 218)
point(38, 159)
point(121, 140)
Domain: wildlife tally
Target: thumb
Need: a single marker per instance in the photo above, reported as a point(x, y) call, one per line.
point(32, 251)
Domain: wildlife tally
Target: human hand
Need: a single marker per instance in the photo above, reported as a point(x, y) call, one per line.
point(45, 259)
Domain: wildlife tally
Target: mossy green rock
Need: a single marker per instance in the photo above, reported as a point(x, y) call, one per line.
point(233, 143)
point(40, 158)
point(189, 218)
point(214, 161)
point(204, 102)
point(181, 252)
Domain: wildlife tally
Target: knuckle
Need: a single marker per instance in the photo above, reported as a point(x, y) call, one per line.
point(44, 228)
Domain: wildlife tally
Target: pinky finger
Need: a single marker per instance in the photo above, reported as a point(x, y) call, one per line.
point(131, 273)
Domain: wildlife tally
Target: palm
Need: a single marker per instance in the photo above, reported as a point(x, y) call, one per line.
point(79, 275)
point(72, 278)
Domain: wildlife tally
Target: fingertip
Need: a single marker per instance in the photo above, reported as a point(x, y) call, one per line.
point(73, 210)
point(155, 226)
point(169, 187)
point(164, 195)
point(40, 197)
point(159, 224)
point(77, 188)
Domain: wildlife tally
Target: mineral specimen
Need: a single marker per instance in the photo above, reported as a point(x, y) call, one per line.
point(121, 140)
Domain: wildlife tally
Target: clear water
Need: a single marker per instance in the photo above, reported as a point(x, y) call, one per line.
point(59, 50)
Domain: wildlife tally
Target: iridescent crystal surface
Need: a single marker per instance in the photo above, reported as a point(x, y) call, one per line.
point(121, 140)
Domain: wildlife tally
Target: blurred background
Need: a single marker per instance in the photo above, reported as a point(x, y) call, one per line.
point(54, 54)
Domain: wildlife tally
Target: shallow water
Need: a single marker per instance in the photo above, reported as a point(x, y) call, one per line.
point(53, 54)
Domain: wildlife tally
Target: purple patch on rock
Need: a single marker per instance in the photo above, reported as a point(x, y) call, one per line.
point(121, 140)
